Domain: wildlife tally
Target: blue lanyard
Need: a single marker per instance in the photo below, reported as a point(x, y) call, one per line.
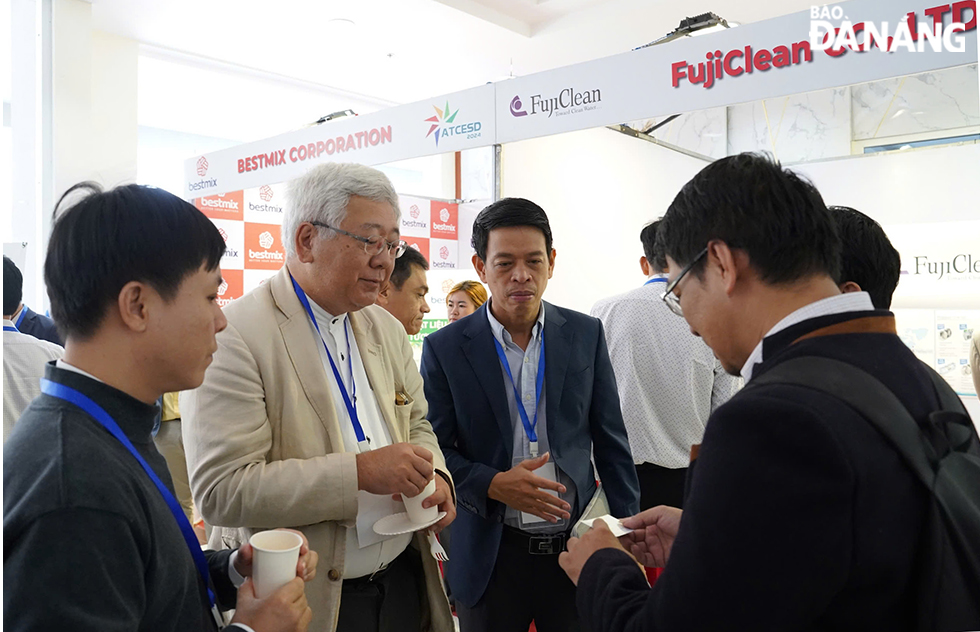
point(20, 319)
point(657, 280)
point(362, 442)
point(9, 328)
point(95, 411)
point(529, 426)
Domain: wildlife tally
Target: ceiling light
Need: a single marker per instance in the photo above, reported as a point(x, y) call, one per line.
point(689, 27)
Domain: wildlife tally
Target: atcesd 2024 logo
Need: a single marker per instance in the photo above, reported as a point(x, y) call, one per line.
point(941, 31)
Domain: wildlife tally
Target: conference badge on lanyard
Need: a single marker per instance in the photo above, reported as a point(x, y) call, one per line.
point(530, 522)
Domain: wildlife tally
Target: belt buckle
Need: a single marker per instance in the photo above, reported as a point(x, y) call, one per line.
point(546, 544)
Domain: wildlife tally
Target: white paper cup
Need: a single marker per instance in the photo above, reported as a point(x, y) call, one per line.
point(413, 505)
point(275, 555)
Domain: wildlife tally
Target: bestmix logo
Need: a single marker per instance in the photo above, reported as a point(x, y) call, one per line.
point(416, 221)
point(228, 251)
point(202, 170)
point(565, 102)
point(447, 285)
point(444, 253)
point(263, 249)
point(941, 30)
point(444, 219)
point(224, 206)
point(265, 194)
point(444, 124)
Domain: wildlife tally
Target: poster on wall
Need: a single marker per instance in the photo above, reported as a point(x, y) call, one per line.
point(954, 331)
point(941, 338)
point(940, 260)
point(249, 222)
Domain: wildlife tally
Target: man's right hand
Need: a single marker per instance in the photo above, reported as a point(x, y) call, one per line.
point(285, 610)
point(653, 535)
point(401, 468)
point(521, 489)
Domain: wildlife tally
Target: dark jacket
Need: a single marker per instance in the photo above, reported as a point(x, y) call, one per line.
point(39, 326)
point(800, 516)
point(88, 541)
point(468, 408)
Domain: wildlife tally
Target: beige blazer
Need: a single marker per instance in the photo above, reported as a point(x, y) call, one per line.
point(263, 441)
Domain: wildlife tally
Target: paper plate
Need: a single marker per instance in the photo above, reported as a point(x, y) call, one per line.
point(399, 523)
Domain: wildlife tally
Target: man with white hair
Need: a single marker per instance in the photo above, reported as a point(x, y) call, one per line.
point(313, 414)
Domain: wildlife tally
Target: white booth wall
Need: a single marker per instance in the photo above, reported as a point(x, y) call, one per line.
point(599, 188)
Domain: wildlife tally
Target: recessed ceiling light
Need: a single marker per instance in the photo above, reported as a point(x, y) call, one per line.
point(341, 23)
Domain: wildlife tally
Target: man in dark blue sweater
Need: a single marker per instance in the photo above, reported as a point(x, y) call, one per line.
point(93, 538)
point(799, 514)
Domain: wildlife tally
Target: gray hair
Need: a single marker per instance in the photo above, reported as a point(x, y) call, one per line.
point(323, 192)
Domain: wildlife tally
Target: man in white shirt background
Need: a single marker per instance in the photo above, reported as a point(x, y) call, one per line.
point(669, 381)
point(24, 358)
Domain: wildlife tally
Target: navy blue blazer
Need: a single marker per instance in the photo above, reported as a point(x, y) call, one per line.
point(468, 409)
point(39, 326)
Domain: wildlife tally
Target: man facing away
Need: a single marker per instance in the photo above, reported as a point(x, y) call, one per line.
point(868, 261)
point(26, 320)
point(313, 414)
point(93, 538)
point(669, 381)
point(404, 296)
point(522, 395)
point(800, 514)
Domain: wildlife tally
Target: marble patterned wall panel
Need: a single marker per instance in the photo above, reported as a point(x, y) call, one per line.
point(703, 132)
point(928, 102)
point(797, 128)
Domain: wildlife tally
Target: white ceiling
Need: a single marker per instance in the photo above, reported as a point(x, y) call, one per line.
point(399, 51)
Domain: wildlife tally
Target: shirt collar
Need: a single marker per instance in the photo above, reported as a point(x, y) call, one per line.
point(849, 302)
point(61, 364)
point(502, 335)
point(334, 323)
point(134, 417)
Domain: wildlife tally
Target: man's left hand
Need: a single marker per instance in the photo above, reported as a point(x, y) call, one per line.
point(443, 497)
point(581, 549)
point(305, 567)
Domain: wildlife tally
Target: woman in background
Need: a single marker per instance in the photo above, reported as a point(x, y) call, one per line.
point(464, 299)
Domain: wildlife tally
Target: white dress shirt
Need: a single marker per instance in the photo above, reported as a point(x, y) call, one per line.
point(843, 303)
point(336, 332)
point(524, 367)
point(669, 381)
point(24, 358)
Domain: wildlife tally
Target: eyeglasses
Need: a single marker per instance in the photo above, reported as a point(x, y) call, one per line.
point(671, 299)
point(373, 245)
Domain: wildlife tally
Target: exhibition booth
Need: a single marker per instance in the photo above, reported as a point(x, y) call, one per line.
point(604, 146)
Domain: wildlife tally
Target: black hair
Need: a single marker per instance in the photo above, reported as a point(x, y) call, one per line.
point(13, 286)
point(509, 212)
point(751, 203)
point(867, 256)
point(652, 250)
point(403, 266)
point(110, 238)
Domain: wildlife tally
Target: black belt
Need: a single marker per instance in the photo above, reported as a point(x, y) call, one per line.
point(535, 544)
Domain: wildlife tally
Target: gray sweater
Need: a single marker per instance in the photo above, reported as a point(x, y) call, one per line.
point(88, 541)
